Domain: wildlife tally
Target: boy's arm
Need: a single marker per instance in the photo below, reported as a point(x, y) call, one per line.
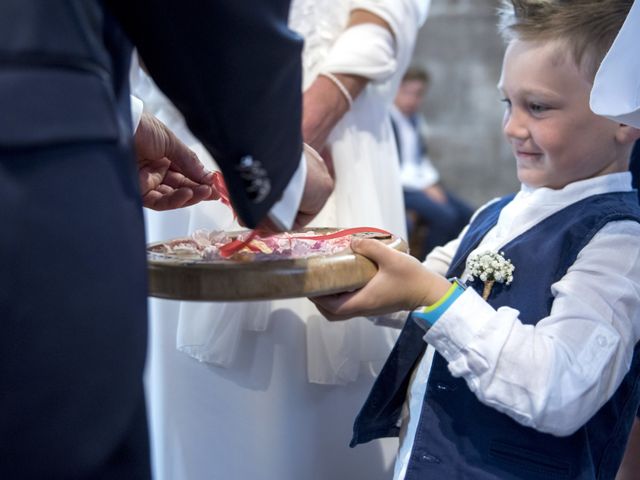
point(438, 262)
point(401, 283)
point(554, 376)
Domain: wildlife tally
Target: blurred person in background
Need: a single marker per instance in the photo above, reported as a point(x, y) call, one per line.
point(443, 212)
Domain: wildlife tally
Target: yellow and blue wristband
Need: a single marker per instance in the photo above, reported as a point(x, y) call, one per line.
point(429, 315)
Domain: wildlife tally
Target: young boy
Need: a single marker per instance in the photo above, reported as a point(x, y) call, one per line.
point(541, 379)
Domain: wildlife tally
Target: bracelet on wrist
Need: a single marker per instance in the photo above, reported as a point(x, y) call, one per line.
point(427, 316)
point(341, 87)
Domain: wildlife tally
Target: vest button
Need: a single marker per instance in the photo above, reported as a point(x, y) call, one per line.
point(430, 458)
point(445, 387)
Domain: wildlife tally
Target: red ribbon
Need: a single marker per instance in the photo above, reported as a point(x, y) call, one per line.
point(221, 187)
point(234, 246)
point(344, 233)
point(228, 249)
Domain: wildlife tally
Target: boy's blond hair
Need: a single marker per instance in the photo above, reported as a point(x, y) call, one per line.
point(586, 27)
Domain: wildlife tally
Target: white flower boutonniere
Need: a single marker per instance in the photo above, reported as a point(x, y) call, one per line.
point(490, 267)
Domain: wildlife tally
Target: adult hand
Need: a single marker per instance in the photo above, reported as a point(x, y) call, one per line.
point(170, 174)
point(401, 283)
point(436, 193)
point(318, 186)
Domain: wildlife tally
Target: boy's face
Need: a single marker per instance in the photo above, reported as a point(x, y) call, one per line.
point(555, 137)
point(409, 96)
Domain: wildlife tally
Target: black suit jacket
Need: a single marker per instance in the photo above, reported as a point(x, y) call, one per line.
point(234, 70)
point(72, 261)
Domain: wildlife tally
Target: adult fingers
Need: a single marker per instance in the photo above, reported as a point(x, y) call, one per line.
point(185, 160)
point(163, 199)
point(203, 192)
point(178, 180)
point(200, 193)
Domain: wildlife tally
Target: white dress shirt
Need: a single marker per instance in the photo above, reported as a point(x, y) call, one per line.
point(553, 376)
point(416, 170)
point(283, 213)
point(137, 108)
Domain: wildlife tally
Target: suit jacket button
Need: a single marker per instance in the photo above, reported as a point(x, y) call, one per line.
point(256, 181)
point(430, 458)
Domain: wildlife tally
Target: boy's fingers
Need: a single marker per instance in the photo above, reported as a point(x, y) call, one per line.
point(372, 249)
point(333, 306)
point(327, 314)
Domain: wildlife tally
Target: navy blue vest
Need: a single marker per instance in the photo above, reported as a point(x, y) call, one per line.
point(460, 438)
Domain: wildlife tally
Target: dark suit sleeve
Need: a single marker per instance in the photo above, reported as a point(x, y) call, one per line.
point(233, 68)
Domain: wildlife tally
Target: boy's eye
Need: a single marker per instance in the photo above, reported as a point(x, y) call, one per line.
point(506, 101)
point(537, 108)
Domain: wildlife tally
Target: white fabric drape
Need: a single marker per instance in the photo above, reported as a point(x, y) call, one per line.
point(368, 192)
point(616, 89)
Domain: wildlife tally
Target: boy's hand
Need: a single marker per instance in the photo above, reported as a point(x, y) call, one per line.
point(402, 283)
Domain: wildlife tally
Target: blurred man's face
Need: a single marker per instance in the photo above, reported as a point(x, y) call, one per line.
point(410, 95)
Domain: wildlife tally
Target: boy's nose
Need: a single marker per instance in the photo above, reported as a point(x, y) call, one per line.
point(514, 126)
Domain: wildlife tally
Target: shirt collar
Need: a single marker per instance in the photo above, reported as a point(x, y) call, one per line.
point(575, 191)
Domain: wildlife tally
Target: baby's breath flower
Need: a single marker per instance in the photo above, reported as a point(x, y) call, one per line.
point(490, 267)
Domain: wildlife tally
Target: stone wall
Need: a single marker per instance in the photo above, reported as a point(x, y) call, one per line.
point(460, 47)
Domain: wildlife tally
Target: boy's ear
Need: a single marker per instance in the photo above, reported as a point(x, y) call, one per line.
point(626, 134)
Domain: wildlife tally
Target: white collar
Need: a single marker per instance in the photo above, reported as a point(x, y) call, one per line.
point(576, 191)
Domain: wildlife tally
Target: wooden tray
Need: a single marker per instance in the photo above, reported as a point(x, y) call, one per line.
point(226, 280)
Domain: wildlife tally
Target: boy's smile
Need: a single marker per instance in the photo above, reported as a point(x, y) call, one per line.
point(555, 137)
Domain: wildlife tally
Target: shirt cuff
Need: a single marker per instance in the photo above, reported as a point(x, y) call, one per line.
point(459, 326)
point(136, 111)
point(284, 211)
